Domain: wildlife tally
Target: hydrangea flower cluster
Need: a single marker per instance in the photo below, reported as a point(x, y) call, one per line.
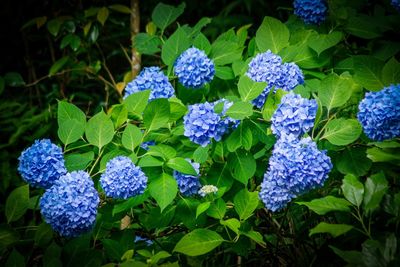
point(193, 68)
point(396, 4)
point(310, 11)
point(188, 184)
point(122, 179)
point(295, 115)
point(42, 164)
point(146, 145)
point(268, 67)
point(202, 123)
point(295, 167)
point(379, 113)
point(70, 205)
point(151, 78)
point(208, 189)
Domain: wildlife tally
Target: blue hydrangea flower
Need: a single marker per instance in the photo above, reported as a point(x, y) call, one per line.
point(294, 115)
point(151, 78)
point(208, 189)
point(275, 197)
point(310, 11)
point(70, 205)
point(146, 145)
point(292, 77)
point(193, 68)
point(122, 179)
point(379, 113)
point(188, 184)
point(396, 4)
point(295, 167)
point(42, 164)
point(268, 67)
point(202, 123)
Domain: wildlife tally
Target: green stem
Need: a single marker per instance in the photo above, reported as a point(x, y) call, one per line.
point(95, 163)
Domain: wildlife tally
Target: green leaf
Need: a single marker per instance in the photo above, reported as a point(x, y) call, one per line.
point(376, 187)
point(70, 131)
point(245, 203)
point(177, 108)
point(164, 151)
point(240, 110)
point(255, 236)
point(67, 111)
point(391, 72)
point(136, 102)
point(201, 42)
point(113, 249)
point(353, 190)
point(17, 203)
point(362, 26)
point(76, 162)
point(342, 131)
point(100, 130)
point(132, 202)
point(181, 165)
point(120, 8)
point(353, 160)
point(198, 242)
point(335, 91)
point(367, 72)
point(156, 114)
point(273, 35)
point(72, 40)
point(241, 136)
point(177, 43)
point(150, 161)
point(326, 204)
point(13, 79)
point(102, 15)
point(217, 209)
point(163, 190)
point(161, 255)
point(382, 155)
point(202, 207)
point(119, 115)
point(249, 89)
point(232, 224)
point(242, 165)
point(321, 42)
point(334, 229)
point(163, 15)
point(224, 72)
point(58, 65)
point(225, 52)
point(131, 137)
point(15, 259)
point(8, 236)
point(43, 235)
point(353, 257)
point(147, 44)
point(200, 155)
point(54, 26)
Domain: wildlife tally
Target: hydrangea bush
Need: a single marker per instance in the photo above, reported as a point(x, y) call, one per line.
point(232, 148)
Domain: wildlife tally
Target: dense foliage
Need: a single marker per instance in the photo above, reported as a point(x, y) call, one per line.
point(270, 144)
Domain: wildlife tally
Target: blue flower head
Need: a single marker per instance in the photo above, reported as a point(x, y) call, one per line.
point(379, 113)
point(70, 205)
point(122, 179)
point(193, 68)
point(42, 164)
point(202, 123)
point(396, 4)
point(310, 11)
point(151, 78)
point(295, 115)
point(268, 67)
point(146, 145)
point(188, 184)
point(295, 167)
point(265, 67)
